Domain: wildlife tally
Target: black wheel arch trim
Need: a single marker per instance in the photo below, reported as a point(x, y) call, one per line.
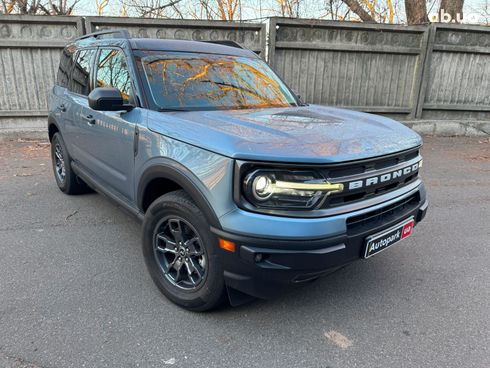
point(52, 121)
point(172, 170)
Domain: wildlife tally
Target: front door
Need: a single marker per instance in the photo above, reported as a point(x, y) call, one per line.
point(108, 138)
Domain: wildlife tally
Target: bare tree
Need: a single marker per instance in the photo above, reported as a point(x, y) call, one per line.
point(483, 10)
point(52, 7)
point(123, 10)
point(336, 10)
point(416, 11)
point(289, 8)
point(7, 6)
point(153, 8)
point(21, 6)
point(100, 6)
point(359, 11)
point(60, 7)
point(452, 7)
point(227, 10)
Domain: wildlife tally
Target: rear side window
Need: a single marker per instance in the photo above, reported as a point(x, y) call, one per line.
point(66, 63)
point(112, 71)
point(80, 77)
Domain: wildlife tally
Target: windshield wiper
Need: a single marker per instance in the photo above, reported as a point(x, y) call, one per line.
point(232, 86)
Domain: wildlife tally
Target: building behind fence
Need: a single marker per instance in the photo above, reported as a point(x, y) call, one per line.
point(436, 72)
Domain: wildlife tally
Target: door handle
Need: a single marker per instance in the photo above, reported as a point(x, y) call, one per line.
point(89, 119)
point(62, 108)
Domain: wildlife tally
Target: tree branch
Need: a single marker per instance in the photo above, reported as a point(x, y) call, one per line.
point(359, 11)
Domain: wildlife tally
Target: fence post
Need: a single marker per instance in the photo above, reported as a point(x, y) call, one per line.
point(425, 71)
point(270, 41)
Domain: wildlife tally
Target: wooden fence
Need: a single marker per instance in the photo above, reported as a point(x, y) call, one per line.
point(435, 72)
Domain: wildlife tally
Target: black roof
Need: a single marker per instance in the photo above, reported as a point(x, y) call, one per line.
point(119, 37)
point(188, 46)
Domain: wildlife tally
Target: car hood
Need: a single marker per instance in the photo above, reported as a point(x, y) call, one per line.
point(305, 134)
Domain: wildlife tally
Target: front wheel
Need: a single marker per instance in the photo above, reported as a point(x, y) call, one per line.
point(180, 253)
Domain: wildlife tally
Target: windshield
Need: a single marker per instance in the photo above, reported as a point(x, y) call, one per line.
point(187, 81)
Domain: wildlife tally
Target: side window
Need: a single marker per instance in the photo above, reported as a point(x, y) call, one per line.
point(66, 63)
point(80, 79)
point(112, 71)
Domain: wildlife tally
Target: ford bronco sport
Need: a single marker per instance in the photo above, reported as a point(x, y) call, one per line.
point(243, 190)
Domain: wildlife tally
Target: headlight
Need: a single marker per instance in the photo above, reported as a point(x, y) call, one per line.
point(285, 189)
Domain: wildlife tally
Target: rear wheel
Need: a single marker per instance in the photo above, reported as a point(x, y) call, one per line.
point(66, 179)
point(180, 253)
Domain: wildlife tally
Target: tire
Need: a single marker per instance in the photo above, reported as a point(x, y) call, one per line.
point(66, 179)
point(175, 227)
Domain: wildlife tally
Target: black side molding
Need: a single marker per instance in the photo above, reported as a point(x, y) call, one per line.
point(95, 185)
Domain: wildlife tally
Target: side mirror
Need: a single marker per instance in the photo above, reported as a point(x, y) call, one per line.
point(107, 99)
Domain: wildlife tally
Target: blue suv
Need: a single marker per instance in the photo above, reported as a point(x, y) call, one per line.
point(243, 190)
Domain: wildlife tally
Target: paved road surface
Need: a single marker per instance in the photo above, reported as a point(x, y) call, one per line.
point(74, 291)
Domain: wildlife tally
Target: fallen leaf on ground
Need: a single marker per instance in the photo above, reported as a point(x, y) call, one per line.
point(338, 339)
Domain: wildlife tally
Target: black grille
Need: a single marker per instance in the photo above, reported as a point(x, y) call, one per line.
point(370, 168)
point(358, 224)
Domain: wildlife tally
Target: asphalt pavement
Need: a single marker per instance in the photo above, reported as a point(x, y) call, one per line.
point(74, 290)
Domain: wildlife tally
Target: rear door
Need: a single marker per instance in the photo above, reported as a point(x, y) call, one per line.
point(61, 104)
point(108, 136)
point(80, 86)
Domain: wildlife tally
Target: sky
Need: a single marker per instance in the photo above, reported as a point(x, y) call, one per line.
point(256, 9)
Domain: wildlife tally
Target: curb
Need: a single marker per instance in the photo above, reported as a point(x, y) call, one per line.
point(23, 134)
point(438, 128)
point(446, 128)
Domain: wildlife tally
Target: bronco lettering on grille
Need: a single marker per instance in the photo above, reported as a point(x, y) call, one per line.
point(384, 178)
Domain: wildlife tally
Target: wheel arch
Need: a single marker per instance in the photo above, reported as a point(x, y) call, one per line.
point(53, 127)
point(182, 178)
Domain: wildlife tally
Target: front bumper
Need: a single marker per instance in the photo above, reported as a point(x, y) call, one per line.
point(264, 267)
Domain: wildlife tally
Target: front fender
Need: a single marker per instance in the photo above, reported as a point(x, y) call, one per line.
point(171, 170)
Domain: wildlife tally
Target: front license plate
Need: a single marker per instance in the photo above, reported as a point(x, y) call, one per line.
point(378, 242)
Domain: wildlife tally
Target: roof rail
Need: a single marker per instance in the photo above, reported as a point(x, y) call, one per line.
point(227, 43)
point(122, 33)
